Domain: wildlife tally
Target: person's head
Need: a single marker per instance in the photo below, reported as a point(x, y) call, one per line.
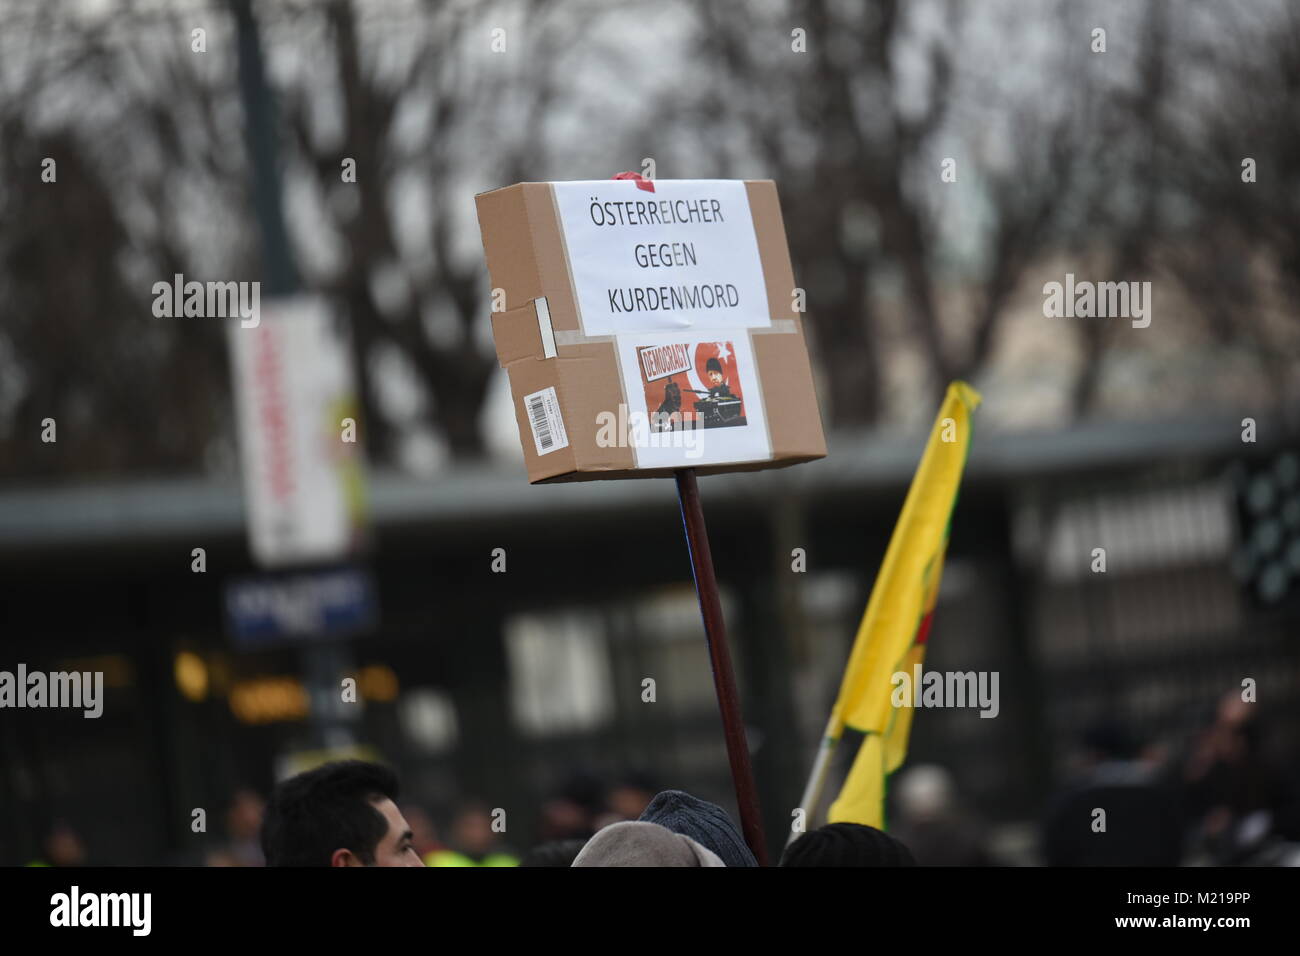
point(1106, 740)
point(244, 816)
point(340, 814)
point(713, 369)
point(563, 819)
point(471, 830)
point(572, 812)
point(925, 794)
point(705, 823)
point(847, 844)
point(63, 847)
point(628, 798)
point(554, 853)
point(638, 843)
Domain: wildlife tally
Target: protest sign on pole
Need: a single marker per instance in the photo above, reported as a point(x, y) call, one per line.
point(653, 328)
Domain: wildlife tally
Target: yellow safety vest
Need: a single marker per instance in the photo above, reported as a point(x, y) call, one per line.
point(452, 858)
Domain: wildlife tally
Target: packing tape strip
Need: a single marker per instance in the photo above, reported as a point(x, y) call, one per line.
point(544, 327)
point(574, 337)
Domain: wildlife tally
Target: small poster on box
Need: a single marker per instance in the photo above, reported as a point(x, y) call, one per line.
point(693, 401)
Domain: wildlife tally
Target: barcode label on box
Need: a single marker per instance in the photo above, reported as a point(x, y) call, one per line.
point(543, 410)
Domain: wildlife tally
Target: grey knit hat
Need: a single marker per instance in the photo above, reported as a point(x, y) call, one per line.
point(704, 822)
point(643, 844)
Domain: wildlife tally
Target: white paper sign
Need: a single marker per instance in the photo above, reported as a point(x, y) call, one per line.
point(303, 483)
point(690, 401)
point(680, 258)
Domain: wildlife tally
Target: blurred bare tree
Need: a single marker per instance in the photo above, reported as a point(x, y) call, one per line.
point(1131, 163)
point(418, 112)
point(78, 343)
point(152, 180)
point(854, 109)
point(1109, 159)
point(1227, 165)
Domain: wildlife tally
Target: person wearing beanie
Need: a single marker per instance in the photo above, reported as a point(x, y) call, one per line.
point(847, 844)
point(633, 843)
point(705, 823)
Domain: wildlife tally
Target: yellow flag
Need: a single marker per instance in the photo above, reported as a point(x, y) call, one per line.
point(892, 635)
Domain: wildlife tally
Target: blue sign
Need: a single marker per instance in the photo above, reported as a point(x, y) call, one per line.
point(301, 607)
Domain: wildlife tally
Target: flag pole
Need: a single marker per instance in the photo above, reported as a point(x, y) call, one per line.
point(724, 678)
point(900, 608)
point(812, 790)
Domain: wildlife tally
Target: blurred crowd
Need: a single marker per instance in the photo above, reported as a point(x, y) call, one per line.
point(1225, 798)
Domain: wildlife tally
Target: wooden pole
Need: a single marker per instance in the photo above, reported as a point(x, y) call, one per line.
point(724, 678)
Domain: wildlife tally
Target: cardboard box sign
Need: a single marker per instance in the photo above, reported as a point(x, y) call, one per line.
point(646, 330)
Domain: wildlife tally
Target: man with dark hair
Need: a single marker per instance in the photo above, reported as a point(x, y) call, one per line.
point(340, 814)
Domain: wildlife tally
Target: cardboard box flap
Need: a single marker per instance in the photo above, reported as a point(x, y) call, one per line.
point(509, 244)
point(523, 333)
